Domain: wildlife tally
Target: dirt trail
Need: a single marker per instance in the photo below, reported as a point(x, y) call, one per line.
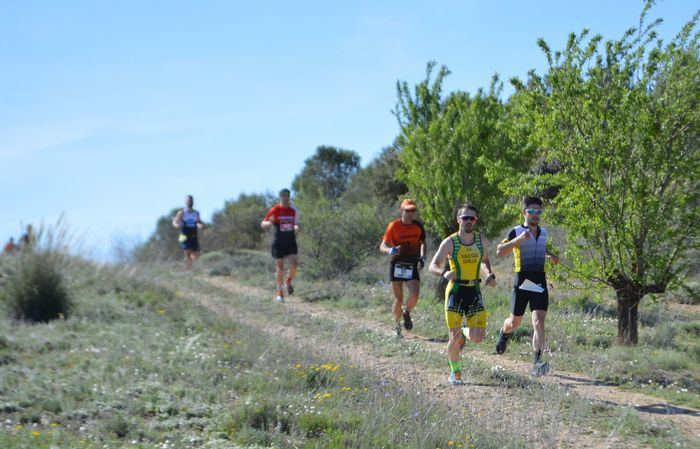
point(483, 402)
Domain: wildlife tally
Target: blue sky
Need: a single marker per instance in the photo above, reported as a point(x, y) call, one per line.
point(113, 111)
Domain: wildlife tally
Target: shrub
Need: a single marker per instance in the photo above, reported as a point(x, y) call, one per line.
point(36, 290)
point(335, 240)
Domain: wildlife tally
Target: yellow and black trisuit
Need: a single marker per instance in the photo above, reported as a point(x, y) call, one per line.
point(463, 296)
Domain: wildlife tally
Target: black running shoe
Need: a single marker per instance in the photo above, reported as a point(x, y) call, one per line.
point(290, 289)
point(502, 342)
point(407, 323)
point(540, 369)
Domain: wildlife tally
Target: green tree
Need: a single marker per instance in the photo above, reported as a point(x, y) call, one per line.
point(162, 244)
point(621, 118)
point(376, 183)
point(237, 225)
point(326, 174)
point(449, 152)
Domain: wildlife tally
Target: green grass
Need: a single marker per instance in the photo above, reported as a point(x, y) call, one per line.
point(137, 366)
point(581, 326)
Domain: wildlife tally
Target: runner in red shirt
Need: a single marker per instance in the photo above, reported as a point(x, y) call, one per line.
point(285, 220)
point(404, 242)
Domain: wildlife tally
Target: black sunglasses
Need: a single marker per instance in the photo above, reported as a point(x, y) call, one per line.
point(468, 217)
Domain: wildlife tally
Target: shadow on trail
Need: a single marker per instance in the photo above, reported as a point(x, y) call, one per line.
point(667, 409)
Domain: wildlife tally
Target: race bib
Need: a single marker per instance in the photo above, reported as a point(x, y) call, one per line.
point(403, 271)
point(286, 227)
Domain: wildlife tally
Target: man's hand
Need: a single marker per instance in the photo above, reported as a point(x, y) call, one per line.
point(450, 275)
point(553, 258)
point(491, 280)
point(525, 236)
point(394, 251)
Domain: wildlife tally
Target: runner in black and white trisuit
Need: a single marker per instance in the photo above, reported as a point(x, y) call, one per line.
point(188, 222)
point(529, 244)
point(285, 220)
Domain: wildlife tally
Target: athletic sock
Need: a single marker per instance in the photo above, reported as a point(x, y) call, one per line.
point(455, 367)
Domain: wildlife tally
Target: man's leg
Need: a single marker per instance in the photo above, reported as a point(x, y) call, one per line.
point(511, 323)
point(413, 294)
point(397, 309)
point(279, 275)
point(188, 259)
point(453, 349)
point(292, 263)
point(538, 317)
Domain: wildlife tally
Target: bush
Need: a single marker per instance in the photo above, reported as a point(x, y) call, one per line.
point(36, 290)
point(335, 240)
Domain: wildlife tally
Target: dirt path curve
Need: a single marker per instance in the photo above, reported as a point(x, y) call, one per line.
point(522, 414)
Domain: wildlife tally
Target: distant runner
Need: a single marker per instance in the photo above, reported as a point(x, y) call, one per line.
point(10, 246)
point(467, 252)
point(188, 222)
point(285, 219)
point(404, 242)
point(529, 244)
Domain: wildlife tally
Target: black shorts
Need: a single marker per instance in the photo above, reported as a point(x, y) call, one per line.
point(191, 244)
point(406, 271)
point(280, 250)
point(521, 298)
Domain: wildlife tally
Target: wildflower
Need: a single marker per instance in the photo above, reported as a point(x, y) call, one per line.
point(54, 425)
point(36, 433)
point(450, 443)
point(161, 311)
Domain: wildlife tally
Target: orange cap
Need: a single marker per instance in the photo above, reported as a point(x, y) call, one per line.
point(408, 204)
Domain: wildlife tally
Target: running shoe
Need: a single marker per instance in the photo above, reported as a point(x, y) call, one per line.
point(407, 323)
point(398, 330)
point(502, 342)
point(456, 378)
point(280, 296)
point(290, 289)
point(540, 369)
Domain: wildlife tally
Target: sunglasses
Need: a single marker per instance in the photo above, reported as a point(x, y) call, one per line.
point(534, 211)
point(409, 210)
point(468, 217)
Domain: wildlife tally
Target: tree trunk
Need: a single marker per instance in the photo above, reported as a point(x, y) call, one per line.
point(627, 317)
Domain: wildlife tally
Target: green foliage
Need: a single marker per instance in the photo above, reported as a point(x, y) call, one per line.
point(36, 291)
point(622, 119)
point(237, 225)
point(335, 240)
point(162, 244)
point(326, 174)
point(376, 184)
point(448, 153)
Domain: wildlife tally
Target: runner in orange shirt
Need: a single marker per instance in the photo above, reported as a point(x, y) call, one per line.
point(404, 243)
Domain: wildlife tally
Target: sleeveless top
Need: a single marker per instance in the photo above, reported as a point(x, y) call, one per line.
point(466, 259)
point(189, 222)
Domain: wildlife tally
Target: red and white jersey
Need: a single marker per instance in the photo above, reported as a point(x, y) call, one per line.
point(285, 220)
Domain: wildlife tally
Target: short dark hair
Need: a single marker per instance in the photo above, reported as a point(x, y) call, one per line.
point(283, 191)
point(464, 207)
point(531, 200)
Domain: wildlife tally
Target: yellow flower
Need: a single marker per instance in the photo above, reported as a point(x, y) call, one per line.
point(346, 388)
point(328, 395)
point(450, 443)
point(36, 434)
point(54, 425)
point(161, 311)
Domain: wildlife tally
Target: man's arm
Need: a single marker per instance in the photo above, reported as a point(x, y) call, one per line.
point(486, 263)
point(177, 221)
point(550, 254)
point(506, 248)
point(268, 222)
point(385, 248)
point(439, 259)
point(421, 260)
